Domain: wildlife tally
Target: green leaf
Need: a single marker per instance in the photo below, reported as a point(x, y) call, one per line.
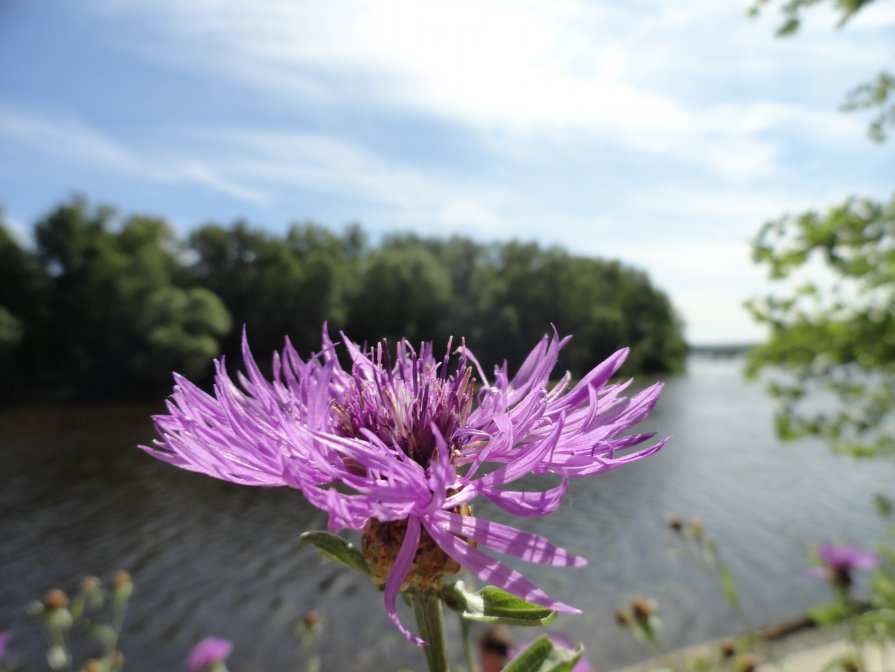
point(728, 585)
point(493, 605)
point(333, 547)
point(829, 613)
point(542, 655)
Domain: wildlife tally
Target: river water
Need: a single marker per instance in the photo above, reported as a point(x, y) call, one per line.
point(211, 558)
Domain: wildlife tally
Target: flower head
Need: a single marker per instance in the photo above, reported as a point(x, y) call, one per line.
point(839, 561)
point(411, 439)
point(208, 652)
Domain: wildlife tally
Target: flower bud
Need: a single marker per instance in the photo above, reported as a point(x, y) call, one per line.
point(622, 618)
point(676, 523)
point(380, 543)
point(121, 579)
point(89, 584)
point(642, 608)
point(55, 599)
point(122, 585)
point(746, 662)
point(94, 665)
point(728, 648)
point(311, 620)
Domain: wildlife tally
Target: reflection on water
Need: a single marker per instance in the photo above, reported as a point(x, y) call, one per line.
point(210, 558)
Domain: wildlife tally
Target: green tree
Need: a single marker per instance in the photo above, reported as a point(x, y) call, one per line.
point(831, 350)
point(21, 302)
point(279, 286)
point(114, 306)
point(837, 334)
point(405, 290)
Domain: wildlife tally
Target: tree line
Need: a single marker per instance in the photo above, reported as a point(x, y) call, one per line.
point(106, 307)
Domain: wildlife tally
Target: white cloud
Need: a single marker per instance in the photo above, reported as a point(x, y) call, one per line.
point(565, 67)
point(662, 133)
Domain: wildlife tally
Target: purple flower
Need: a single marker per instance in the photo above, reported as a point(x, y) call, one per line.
point(838, 562)
point(206, 653)
point(4, 642)
point(410, 442)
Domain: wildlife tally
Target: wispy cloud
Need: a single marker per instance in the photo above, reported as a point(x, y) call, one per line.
point(70, 139)
point(288, 160)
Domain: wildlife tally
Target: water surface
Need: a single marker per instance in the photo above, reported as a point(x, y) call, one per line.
point(211, 558)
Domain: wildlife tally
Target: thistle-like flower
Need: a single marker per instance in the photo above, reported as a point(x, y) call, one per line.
point(399, 446)
point(837, 563)
point(208, 653)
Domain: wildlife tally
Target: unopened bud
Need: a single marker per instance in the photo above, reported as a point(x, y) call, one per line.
point(89, 584)
point(746, 662)
point(728, 648)
point(622, 618)
point(697, 527)
point(311, 619)
point(55, 599)
point(117, 660)
point(121, 579)
point(122, 585)
point(642, 608)
point(93, 665)
point(676, 523)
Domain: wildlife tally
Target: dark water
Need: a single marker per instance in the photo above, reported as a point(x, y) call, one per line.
point(210, 558)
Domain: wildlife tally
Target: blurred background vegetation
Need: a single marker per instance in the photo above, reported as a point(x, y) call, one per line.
point(107, 307)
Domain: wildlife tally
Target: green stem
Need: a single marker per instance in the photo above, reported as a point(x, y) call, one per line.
point(853, 636)
point(429, 617)
point(467, 644)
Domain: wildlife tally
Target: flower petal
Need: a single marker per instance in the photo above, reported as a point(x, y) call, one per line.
point(509, 540)
point(493, 571)
point(519, 503)
point(398, 573)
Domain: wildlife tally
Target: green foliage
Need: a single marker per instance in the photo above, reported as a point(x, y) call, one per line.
point(179, 331)
point(493, 605)
point(103, 307)
point(792, 11)
point(878, 93)
point(406, 291)
point(830, 613)
point(118, 315)
point(835, 332)
point(542, 655)
point(333, 547)
point(10, 333)
point(278, 286)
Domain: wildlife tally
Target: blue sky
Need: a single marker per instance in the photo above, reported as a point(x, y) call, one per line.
point(661, 133)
